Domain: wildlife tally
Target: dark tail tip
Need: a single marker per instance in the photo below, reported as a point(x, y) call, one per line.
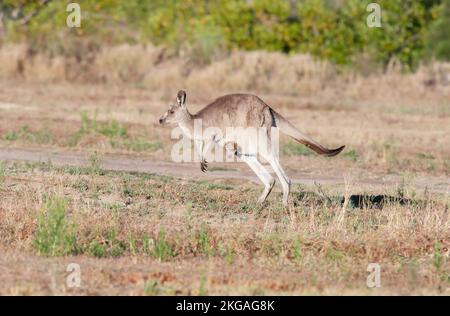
point(334, 152)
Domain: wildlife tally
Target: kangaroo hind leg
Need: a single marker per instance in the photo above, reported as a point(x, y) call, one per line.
point(262, 174)
point(284, 180)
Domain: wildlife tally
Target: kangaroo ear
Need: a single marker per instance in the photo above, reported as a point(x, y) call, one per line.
point(181, 98)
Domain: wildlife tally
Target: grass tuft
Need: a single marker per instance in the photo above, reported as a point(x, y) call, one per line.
point(162, 250)
point(2, 172)
point(55, 234)
point(95, 163)
point(295, 149)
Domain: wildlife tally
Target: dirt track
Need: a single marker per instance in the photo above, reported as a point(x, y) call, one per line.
point(232, 171)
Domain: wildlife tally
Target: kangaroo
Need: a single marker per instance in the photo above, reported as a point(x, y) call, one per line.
point(241, 111)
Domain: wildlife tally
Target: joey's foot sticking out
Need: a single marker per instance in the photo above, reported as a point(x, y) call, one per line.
point(204, 165)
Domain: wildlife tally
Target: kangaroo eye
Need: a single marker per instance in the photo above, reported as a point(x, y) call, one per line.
point(171, 111)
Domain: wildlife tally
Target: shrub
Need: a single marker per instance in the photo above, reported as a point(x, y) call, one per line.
point(55, 234)
point(438, 39)
point(162, 250)
point(330, 29)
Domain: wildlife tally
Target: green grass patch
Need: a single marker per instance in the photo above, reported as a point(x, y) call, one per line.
point(96, 249)
point(211, 169)
point(203, 240)
point(137, 144)
point(295, 149)
point(162, 249)
point(151, 287)
point(40, 136)
point(2, 172)
point(90, 125)
point(351, 154)
point(112, 129)
point(213, 186)
point(297, 251)
point(55, 234)
point(11, 136)
point(229, 255)
point(95, 164)
point(334, 255)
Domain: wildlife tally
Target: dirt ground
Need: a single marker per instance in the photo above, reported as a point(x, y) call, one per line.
point(100, 149)
point(237, 170)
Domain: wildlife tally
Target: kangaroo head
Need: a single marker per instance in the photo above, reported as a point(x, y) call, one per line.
point(176, 112)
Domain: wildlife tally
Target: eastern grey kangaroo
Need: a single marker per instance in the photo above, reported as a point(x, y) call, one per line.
point(241, 111)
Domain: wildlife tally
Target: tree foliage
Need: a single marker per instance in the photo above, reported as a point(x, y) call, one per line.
point(330, 29)
point(438, 39)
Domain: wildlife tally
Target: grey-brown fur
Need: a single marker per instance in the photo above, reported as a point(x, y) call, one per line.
point(236, 110)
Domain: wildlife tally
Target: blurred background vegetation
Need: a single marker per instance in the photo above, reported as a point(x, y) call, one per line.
point(412, 31)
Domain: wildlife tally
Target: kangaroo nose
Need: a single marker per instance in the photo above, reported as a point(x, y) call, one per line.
point(160, 121)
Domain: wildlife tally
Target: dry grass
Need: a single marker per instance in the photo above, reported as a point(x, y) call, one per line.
point(318, 246)
point(260, 72)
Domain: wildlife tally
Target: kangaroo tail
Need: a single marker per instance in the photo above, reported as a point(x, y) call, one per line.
point(287, 128)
